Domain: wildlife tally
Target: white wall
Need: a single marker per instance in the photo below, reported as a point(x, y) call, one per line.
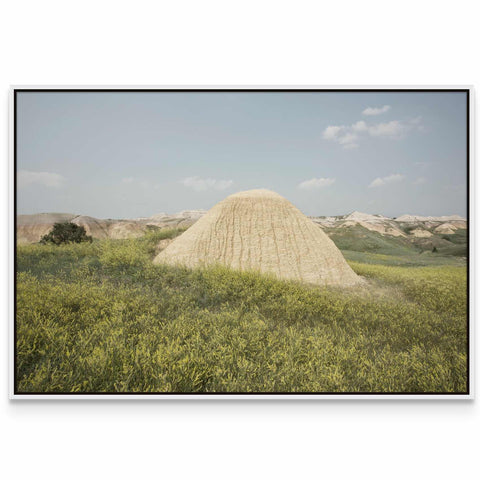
point(248, 42)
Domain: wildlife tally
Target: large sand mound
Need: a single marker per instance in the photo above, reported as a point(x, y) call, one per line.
point(260, 230)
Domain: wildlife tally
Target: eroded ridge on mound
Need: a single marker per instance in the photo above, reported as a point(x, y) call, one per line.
point(262, 231)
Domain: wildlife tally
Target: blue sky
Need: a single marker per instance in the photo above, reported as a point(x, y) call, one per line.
point(126, 155)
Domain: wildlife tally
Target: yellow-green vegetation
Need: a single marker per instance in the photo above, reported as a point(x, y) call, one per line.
point(100, 317)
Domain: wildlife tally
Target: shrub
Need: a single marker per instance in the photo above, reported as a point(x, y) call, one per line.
point(66, 232)
point(409, 228)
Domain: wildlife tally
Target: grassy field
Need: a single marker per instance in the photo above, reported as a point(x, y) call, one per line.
point(101, 317)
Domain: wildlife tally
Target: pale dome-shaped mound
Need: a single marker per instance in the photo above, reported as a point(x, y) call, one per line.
point(262, 231)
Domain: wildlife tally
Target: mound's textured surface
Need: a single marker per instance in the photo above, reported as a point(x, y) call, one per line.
point(260, 230)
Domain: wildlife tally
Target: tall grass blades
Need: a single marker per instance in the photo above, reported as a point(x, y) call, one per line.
point(101, 317)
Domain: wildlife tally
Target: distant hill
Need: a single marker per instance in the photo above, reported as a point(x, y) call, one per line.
point(31, 228)
point(405, 235)
point(418, 218)
point(396, 227)
point(355, 231)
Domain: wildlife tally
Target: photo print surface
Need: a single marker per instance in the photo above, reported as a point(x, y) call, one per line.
point(241, 242)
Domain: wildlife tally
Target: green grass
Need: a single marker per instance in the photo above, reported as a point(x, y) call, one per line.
point(417, 259)
point(359, 239)
point(101, 317)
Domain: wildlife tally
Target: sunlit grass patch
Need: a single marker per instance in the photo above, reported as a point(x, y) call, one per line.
point(101, 317)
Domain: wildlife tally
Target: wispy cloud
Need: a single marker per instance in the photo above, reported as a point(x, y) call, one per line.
point(349, 136)
point(201, 184)
point(47, 179)
point(423, 164)
point(419, 181)
point(417, 123)
point(350, 146)
point(128, 180)
point(348, 139)
point(360, 126)
point(342, 135)
point(332, 132)
point(316, 183)
point(396, 128)
point(392, 129)
point(370, 111)
point(381, 181)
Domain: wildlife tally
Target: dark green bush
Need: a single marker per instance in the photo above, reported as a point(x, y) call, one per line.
point(66, 232)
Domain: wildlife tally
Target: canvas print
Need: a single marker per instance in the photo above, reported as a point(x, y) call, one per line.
point(241, 242)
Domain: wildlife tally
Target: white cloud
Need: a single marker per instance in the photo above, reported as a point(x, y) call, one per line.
point(348, 136)
point(377, 183)
point(369, 111)
point(128, 180)
point(342, 135)
point(47, 179)
point(331, 132)
point(380, 181)
point(316, 183)
point(360, 126)
point(201, 184)
point(392, 129)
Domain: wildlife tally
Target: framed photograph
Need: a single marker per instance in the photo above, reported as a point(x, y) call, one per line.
point(221, 242)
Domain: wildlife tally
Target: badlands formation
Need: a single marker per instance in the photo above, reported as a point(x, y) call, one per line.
point(403, 226)
point(31, 228)
point(260, 230)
